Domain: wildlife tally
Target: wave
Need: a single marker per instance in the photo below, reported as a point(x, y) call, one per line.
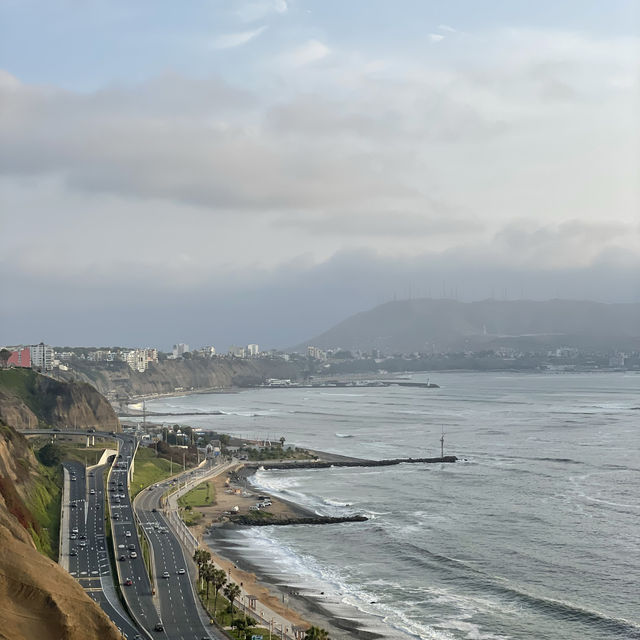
point(344, 435)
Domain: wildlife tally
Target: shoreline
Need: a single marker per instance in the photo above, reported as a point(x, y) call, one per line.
point(301, 606)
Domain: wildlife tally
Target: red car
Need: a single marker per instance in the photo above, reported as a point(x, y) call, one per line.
point(128, 582)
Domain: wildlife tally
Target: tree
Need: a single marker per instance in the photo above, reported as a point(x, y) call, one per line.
point(219, 580)
point(207, 576)
point(201, 557)
point(50, 455)
point(282, 440)
point(316, 633)
point(232, 592)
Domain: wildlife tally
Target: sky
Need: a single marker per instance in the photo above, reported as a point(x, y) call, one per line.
point(255, 171)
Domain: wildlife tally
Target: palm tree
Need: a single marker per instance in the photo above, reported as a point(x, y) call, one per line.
point(207, 576)
point(282, 441)
point(316, 633)
point(219, 580)
point(232, 591)
point(201, 558)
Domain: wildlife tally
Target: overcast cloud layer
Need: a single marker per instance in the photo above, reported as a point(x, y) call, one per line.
point(258, 172)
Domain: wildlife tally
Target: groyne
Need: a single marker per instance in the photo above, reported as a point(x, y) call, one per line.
point(321, 464)
point(253, 521)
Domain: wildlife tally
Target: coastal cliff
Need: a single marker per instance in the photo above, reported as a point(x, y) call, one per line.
point(39, 599)
point(118, 381)
point(29, 399)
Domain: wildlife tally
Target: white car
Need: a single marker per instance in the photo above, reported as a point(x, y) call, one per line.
point(165, 574)
point(181, 572)
point(127, 534)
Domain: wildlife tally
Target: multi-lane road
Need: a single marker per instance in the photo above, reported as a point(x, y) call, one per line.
point(181, 610)
point(85, 544)
point(167, 609)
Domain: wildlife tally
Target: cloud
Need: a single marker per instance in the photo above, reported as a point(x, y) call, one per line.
point(436, 37)
point(251, 11)
point(231, 40)
point(446, 28)
point(311, 51)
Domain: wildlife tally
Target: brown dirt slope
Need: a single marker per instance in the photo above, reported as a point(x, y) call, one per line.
point(38, 599)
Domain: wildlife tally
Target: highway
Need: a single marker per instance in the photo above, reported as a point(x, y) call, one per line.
point(181, 608)
point(88, 559)
point(175, 607)
point(132, 572)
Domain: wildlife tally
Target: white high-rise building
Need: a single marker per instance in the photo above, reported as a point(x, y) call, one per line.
point(41, 356)
point(180, 349)
point(253, 350)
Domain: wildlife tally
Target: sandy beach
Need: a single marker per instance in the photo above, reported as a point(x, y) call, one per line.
point(300, 607)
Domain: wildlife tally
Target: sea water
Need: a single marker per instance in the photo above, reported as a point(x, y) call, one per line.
point(534, 533)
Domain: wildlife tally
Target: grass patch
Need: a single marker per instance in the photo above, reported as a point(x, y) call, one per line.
point(148, 470)
point(203, 495)
point(43, 501)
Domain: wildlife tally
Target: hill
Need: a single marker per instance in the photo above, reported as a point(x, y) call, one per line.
point(118, 381)
point(39, 599)
point(29, 399)
point(426, 325)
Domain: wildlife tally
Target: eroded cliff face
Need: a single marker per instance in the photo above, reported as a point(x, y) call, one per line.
point(28, 399)
point(117, 381)
point(38, 599)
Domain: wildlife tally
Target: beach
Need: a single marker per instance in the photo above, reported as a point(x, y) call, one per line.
point(302, 607)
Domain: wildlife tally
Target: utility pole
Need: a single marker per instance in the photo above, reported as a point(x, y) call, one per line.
point(442, 444)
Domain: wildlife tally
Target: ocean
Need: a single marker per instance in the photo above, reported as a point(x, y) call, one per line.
point(534, 533)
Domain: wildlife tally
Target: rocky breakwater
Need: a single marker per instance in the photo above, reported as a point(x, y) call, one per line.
point(29, 399)
point(325, 464)
point(259, 521)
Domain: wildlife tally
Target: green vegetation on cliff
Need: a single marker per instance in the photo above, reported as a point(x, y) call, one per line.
point(31, 491)
point(29, 399)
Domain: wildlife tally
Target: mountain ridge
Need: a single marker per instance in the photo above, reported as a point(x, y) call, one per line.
point(427, 324)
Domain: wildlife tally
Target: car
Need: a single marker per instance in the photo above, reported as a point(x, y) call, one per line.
point(165, 575)
point(74, 530)
point(128, 582)
point(83, 537)
point(116, 516)
point(131, 547)
point(181, 572)
point(92, 492)
point(73, 536)
point(56, 429)
point(159, 627)
point(91, 474)
point(83, 543)
point(117, 500)
point(127, 534)
point(73, 552)
point(73, 478)
point(154, 510)
point(133, 555)
point(122, 558)
point(74, 505)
